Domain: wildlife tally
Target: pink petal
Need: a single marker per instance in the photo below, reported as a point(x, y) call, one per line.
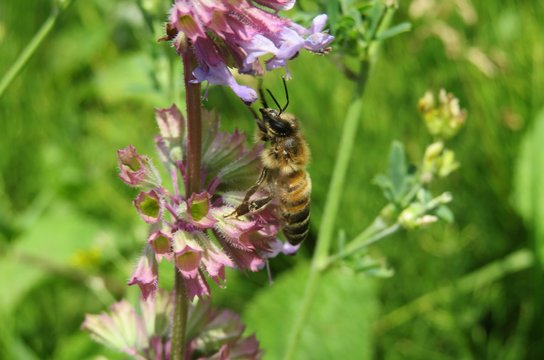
point(145, 274)
point(161, 242)
point(188, 261)
point(149, 205)
point(196, 286)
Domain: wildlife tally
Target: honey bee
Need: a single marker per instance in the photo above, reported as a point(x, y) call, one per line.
point(284, 176)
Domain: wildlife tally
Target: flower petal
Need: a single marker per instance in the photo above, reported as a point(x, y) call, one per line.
point(318, 23)
point(318, 42)
point(277, 4)
point(146, 274)
point(187, 254)
point(256, 47)
point(196, 286)
point(149, 206)
point(220, 75)
point(135, 169)
point(160, 242)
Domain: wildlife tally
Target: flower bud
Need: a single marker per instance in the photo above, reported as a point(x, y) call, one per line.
point(426, 220)
point(136, 170)
point(443, 120)
point(438, 160)
point(145, 274)
point(448, 164)
point(171, 126)
point(409, 217)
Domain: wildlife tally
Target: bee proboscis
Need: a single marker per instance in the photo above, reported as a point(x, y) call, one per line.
point(284, 176)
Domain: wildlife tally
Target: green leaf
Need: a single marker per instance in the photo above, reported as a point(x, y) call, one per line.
point(444, 213)
point(394, 31)
point(397, 170)
point(333, 11)
point(528, 180)
point(385, 184)
point(339, 323)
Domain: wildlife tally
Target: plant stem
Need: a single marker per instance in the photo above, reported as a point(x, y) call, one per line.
point(179, 328)
point(517, 261)
point(324, 239)
point(194, 144)
point(32, 46)
point(360, 242)
point(194, 124)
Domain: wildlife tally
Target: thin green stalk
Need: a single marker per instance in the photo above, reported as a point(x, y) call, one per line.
point(194, 145)
point(362, 241)
point(516, 261)
point(32, 46)
point(332, 204)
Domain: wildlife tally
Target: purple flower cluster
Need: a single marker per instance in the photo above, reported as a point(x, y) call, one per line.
point(196, 233)
point(237, 33)
point(212, 334)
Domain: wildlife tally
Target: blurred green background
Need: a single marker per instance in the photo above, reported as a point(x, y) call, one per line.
point(472, 290)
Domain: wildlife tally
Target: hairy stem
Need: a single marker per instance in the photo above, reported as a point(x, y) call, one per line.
point(32, 46)
point(194, 124)
point(194, 144)
point(332, 204)
point(179, 328)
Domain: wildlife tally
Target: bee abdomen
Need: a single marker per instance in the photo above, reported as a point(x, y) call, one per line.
point(295, 207)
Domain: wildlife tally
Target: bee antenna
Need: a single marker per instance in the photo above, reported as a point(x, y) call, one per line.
point(261, 94)
point(286, 94)
point(275, 101)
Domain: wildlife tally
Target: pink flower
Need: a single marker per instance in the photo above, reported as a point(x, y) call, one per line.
point(236, 33)
point(161, 243)
point(146, 275)
point(145, 333)
point(198, 234)
point(149, 206)
point(136, 170)
point(277, 4)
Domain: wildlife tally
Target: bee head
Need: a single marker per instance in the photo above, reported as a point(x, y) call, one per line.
point(279, 124)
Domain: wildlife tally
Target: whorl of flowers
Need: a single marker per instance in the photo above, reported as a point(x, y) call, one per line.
point(145, 334)
point(237, 33)
point(196, 233)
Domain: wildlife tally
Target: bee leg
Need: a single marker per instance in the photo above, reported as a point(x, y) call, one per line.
point(251, 206)
point(244, 206)
point(256, 205)
point(260, 125)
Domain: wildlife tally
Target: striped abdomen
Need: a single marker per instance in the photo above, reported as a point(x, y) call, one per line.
point(294, 196)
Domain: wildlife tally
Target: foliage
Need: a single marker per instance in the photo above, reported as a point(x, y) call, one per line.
point(89, 89)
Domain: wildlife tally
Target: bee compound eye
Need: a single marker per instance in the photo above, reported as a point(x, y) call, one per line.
point(280, 127)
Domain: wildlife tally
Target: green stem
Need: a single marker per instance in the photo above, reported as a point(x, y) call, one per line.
point(332, 204)
point(516, 261)
point(32, 46)
point(360, 242)
point(194, 145)
point(179, 327)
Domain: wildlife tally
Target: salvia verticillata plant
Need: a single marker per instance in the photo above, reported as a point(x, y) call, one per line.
point(196, 233)
point(237, 33)
point(190, 215)
point(143, 332)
